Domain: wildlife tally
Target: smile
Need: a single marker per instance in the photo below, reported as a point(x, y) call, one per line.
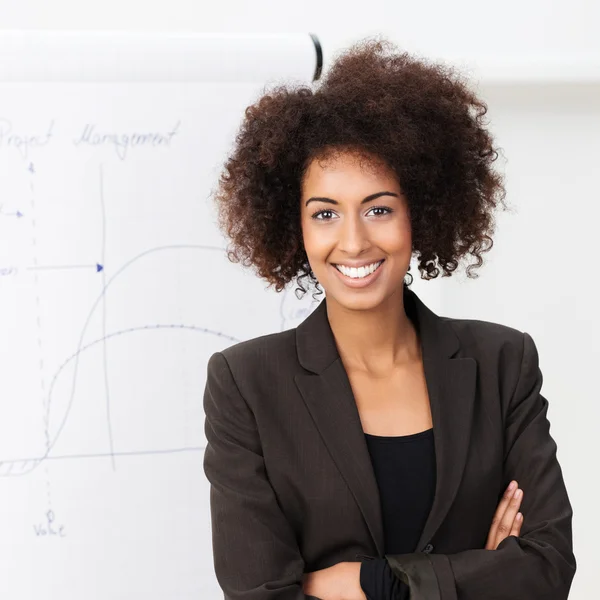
point(361, 277)
point(358, 273)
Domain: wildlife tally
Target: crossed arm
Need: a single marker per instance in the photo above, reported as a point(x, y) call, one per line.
point(374, 579)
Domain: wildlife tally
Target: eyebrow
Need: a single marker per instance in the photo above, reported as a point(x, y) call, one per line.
point(364, 201)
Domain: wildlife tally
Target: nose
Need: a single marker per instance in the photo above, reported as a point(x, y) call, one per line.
point(353, 236)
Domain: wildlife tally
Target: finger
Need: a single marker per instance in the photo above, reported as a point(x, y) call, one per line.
point(500, 510)
point(506, 523)
point(504, 518)
point(516, 528)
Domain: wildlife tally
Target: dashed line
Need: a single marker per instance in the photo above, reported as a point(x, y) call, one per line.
point(40, 344)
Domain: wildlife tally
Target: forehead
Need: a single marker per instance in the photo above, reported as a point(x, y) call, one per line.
point(347, 169)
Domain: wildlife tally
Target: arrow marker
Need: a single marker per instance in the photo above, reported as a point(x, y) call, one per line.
point(97, 266)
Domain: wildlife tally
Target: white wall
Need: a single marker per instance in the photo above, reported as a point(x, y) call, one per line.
point(540, 276)
point(460, 26)
point(539, 30)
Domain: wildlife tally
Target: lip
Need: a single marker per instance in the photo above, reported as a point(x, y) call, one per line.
point(359, 283)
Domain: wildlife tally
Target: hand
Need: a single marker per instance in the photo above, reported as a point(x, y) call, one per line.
point(505, 522)
point(338, 582)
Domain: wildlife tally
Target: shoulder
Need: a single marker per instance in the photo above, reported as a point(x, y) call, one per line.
point(507, 350)
point(507, 359)
point(499, 347)
point(264, 355)
point(481, 334)
point(258, 348)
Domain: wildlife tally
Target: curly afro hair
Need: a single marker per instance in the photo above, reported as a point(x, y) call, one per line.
point(419, 117)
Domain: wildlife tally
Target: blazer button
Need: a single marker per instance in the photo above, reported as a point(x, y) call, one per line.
point(428, 548)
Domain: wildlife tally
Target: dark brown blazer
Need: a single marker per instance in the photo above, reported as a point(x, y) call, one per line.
point(293, 489)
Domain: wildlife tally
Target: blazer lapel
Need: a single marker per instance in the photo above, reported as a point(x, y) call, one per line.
point(328, 394)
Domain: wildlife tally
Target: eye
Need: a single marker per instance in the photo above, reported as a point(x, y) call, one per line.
point(316, 215)
point(327, 210)
point(388, 210)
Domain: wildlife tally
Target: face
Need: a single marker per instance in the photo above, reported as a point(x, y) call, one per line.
point(355, 214)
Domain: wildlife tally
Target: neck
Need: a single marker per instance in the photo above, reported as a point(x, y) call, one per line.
point(374, 341)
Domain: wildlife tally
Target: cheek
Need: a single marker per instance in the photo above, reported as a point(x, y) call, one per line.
point(396, 239)
point(315, 239)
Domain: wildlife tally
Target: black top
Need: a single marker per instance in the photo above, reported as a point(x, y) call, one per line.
point(404, 467)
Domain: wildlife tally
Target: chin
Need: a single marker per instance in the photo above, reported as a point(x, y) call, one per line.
point(354, 301)
point(357, 299)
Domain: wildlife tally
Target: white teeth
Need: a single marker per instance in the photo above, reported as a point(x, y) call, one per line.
point(360, 272)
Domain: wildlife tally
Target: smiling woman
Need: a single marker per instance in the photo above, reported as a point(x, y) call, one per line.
point(343, 452)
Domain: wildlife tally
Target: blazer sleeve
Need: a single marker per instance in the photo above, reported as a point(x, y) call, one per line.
point(255, 554)
point(540, 562)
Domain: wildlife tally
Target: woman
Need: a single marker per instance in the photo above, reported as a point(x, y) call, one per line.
point(367, 453)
